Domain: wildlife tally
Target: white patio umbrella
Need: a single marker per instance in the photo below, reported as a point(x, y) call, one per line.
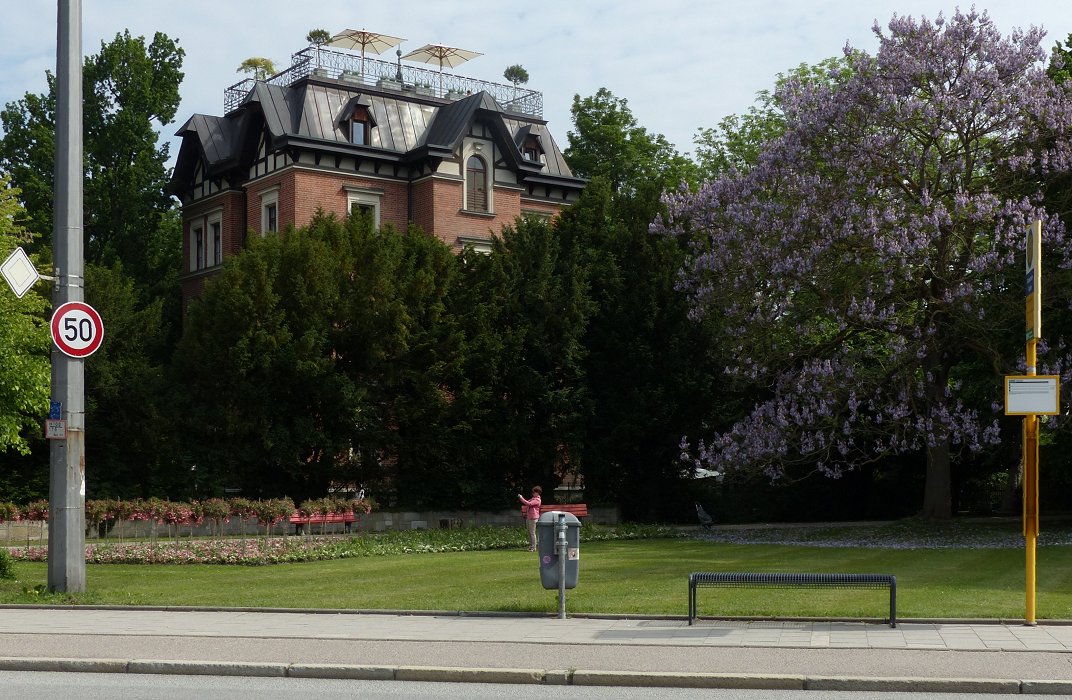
point(372, 42)
point(443, 55)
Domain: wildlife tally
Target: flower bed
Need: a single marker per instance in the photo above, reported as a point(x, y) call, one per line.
point(280, 550)
point(177, 514)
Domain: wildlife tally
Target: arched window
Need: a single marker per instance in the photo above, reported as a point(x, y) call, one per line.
point(476, 185)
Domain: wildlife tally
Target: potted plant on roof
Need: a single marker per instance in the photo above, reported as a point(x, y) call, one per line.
point(389, 83)
point(317, 38)
point(516, 75)
point(260, 68)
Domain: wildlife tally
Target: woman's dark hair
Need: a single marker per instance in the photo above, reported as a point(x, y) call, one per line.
point(537, 489)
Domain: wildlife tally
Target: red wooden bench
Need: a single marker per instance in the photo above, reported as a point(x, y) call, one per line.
point(299, 521)
point(578, 509)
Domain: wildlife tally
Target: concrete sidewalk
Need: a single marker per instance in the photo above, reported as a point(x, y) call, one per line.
point(917, 655)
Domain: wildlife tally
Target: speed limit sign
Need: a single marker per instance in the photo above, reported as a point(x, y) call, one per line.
point(77, 329)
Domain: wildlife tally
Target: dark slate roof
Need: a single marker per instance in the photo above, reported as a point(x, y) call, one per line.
point(311, 112)
point(218, 141)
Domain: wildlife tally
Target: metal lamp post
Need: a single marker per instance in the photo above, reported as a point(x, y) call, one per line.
point(67, 462)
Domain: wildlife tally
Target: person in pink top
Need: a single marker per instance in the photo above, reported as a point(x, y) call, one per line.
point(530, 508)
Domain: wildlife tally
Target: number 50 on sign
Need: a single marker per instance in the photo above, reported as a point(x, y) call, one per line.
point(77, 329)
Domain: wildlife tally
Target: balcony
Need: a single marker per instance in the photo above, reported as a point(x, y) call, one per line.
point(328, 63)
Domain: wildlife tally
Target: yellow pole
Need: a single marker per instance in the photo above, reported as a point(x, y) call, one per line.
point(1031, 528)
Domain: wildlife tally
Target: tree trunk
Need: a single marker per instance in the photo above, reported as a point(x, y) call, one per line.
point(937, 491)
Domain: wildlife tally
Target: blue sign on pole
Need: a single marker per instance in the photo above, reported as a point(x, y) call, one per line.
point(54, 410)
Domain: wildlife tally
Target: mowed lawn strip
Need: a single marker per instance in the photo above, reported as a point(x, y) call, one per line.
point(647, 577)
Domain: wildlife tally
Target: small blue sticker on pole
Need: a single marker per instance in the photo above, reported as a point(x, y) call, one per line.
point(54, 410)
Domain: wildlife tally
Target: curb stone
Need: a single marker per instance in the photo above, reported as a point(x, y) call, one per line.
point(1046, 687)
point(540, 677)
point(916, 685)
point(342, 672)
point(208, 668)
point(450, 674)
point(657, 679)
point(29, 663)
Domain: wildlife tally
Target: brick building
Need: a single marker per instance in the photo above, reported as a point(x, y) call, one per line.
point(451, 159)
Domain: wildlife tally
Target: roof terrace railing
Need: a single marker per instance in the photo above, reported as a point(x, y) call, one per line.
point(328, 63)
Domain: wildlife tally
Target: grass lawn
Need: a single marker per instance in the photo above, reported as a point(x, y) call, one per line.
point(627, 577)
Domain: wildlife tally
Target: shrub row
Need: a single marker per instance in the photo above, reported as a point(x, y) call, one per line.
point(267, 512)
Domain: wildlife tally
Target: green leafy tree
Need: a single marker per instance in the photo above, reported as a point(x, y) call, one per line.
point(265, 408)
point(1060, 68)
point(649, 368)
point(129, 440)
point(738, 140)
point(128, 86)
point(318, 37)
point(258, 67)
point(401, 346)
point(516, 75)
point(24, 341)
point(525, 307)
point(608, 142)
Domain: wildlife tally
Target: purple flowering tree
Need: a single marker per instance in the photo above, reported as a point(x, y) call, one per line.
point(870, 258)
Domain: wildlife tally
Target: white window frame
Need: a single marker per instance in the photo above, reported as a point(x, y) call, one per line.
point(197, 246)
point(365, 197)
point(269, 198)
point(479, 245)
point(215, 219)
point(485, 151)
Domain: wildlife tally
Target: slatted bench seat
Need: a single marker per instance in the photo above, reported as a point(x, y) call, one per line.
point(299, 521)
point(578, 509)
point(785, 580)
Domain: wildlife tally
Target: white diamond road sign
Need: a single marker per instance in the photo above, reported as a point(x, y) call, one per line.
point(19, 272)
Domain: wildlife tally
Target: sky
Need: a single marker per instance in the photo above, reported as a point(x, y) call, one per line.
point(681, 65)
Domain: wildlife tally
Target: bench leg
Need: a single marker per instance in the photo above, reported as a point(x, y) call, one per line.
point(893, 603)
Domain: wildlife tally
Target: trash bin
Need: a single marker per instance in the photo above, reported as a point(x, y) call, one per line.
point(546, 539)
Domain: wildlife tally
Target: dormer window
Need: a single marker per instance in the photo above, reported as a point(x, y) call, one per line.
point(531, 149)
point(360, 127)
point(355, 121)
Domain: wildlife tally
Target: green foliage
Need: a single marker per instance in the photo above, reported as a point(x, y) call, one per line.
point(516, 75)
point(1060, 68)
point(127, 86)
point(648, 366)
point(318, 37)
point(27, 154)
point(260, 68)
point(323, 355)
point(524, 309)
point(126, 393)
point(263, 408)
point(24, 340)
point(7, 566)
point(738, 140)
point(608, 142)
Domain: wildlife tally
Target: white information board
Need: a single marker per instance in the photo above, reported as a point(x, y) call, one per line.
point(1029, 394)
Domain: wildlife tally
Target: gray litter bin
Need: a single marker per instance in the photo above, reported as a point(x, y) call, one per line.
point(546, 537)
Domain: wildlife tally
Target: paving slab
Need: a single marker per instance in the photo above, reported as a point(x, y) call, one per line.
point(953, 655)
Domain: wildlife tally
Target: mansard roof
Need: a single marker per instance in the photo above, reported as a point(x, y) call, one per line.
point(310, 114)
